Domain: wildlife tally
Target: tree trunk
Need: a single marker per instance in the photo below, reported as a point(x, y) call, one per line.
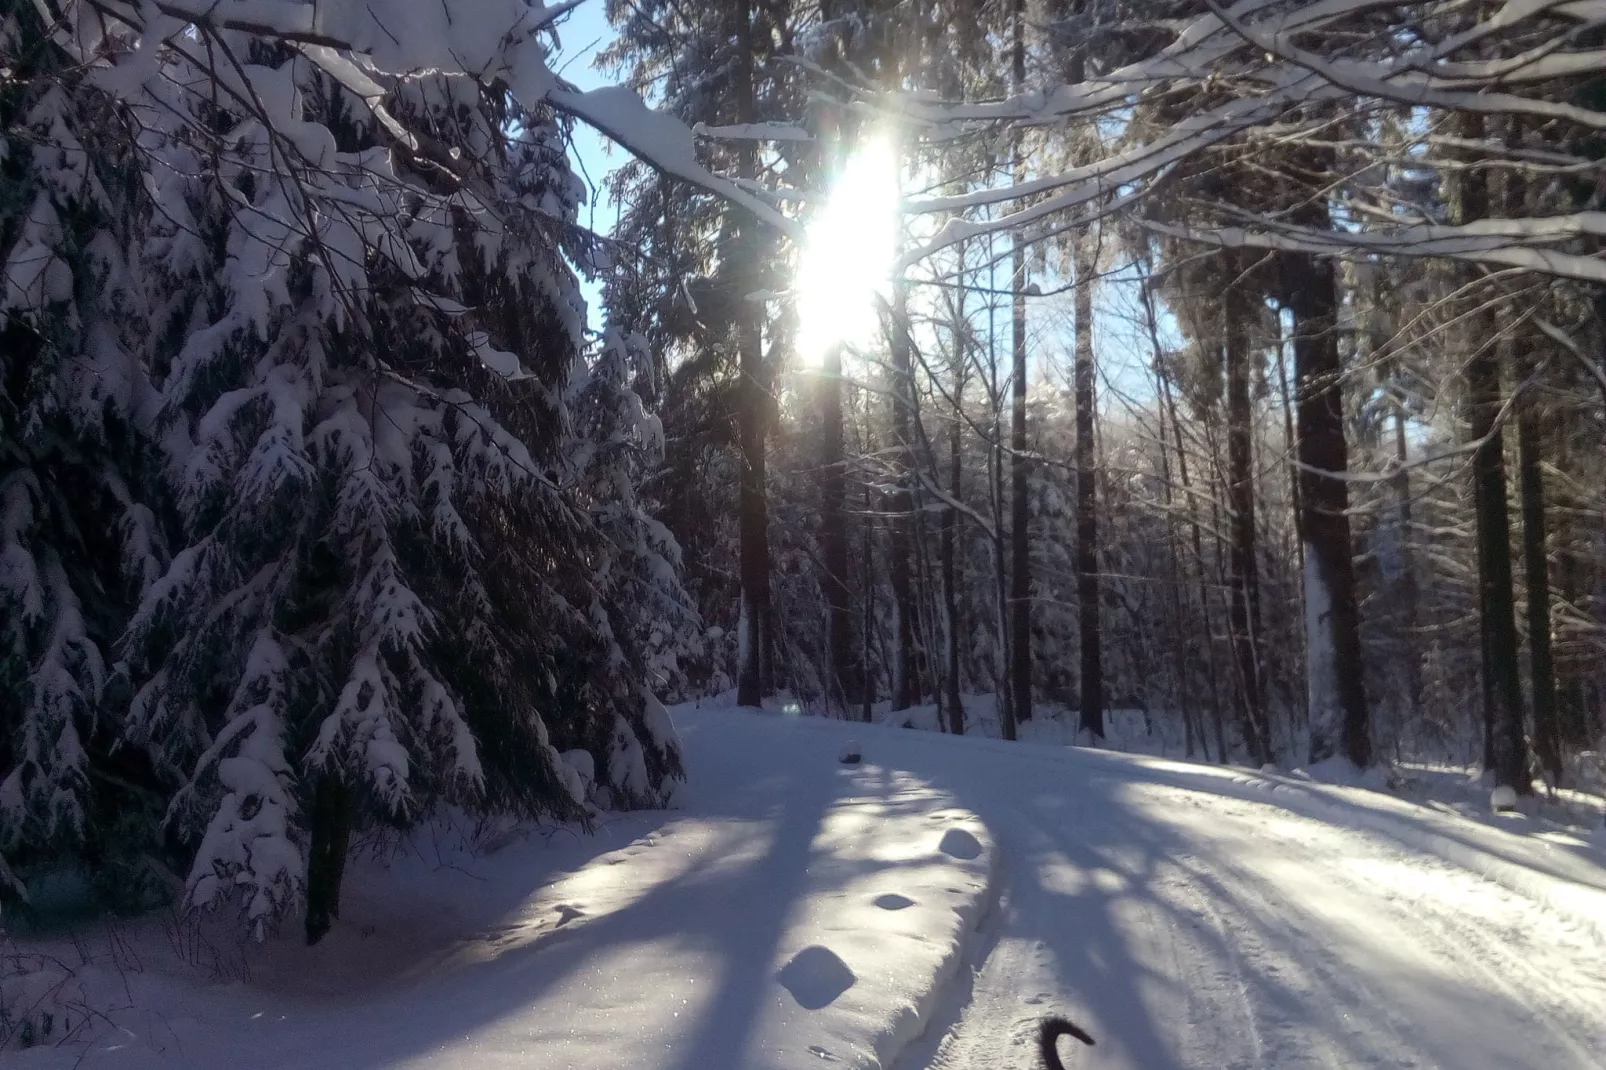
point(846, 668)
point(330, 830)
point(1536, 558)
point(868, 694)
point(950, 521)
point(1179, 622)
point(1087, 536)
point(1020, 574)
point(1207, 630)
point(1338, 717)
point(1245, 583)
point(1505, 747)
point(1410, 601)
point(753, 672)
point(1572, 694)
point(1536, 563)
point(905, 683)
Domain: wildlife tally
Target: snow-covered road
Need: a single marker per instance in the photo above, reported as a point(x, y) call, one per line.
point(1193, 932)
point(1190, 920)
point(793, 913)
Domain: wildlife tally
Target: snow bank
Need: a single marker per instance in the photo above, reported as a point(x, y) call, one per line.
point(1555, 869)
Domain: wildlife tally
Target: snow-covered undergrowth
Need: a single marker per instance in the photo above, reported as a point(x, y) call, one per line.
point(789, 910)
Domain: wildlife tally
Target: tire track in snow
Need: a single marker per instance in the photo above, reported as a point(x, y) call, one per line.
point(992, 1018)
point(1188, 930)
point(1565, 1008)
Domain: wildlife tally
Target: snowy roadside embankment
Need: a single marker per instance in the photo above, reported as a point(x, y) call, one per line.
point(1554, 864)
point(1556, 869)
point(790, 910)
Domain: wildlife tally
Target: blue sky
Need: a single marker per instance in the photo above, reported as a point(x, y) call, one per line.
point(583, 33)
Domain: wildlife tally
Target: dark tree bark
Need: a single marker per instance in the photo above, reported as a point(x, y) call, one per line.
point(1244, 615)
point(905, 681)
point(1536, 563)
point(868, 694)
point(1020, 574)
point(753, 673)
point(847, 670)
point(1410, 600)
point(1572, 583)
point(1087, 532)
point(1531, 489)
point(949, 533)
point(1339, 720)
point(330, 830)
point(1505, 747)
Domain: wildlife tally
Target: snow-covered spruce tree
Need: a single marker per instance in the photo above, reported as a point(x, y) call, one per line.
point(389, 586)
point(77, 541)
point(617, 444)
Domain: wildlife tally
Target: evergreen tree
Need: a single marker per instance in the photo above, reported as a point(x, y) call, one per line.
point(399, 561)
point(79, 538)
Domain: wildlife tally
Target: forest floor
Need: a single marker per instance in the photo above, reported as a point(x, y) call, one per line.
point(919, 909)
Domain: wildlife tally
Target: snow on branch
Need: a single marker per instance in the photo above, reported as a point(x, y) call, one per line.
point(1511, 242)
point(370, 47)
point(659, 140)
point(1256, 65)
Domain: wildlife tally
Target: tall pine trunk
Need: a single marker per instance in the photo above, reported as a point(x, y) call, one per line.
point(330, 836)
point(1003, 691)
point(1505, 748)
point(1535, 555)
point(844, 682)
point(1409, 595)
point(846, 668)
point(1536, 563)
point(1244, 615)
point(753, 672)
point(950, 523)
point(905, 682)
point(1087, 529)
point(1338, 717)
point(1020, 571)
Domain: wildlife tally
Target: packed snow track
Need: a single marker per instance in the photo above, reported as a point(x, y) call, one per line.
point(1191, 921)
point(924, 908)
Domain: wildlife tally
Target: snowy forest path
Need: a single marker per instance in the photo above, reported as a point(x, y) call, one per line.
point(1188, 928)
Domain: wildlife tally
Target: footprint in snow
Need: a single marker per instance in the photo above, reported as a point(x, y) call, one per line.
point(566, 914)
point(893, 901)
point(958, 843)
point(816, 976)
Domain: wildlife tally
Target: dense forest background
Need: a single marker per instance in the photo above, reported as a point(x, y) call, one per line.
point(1289, 428)
point(1244, 366)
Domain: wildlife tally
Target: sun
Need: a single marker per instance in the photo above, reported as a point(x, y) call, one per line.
point(848, 253)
